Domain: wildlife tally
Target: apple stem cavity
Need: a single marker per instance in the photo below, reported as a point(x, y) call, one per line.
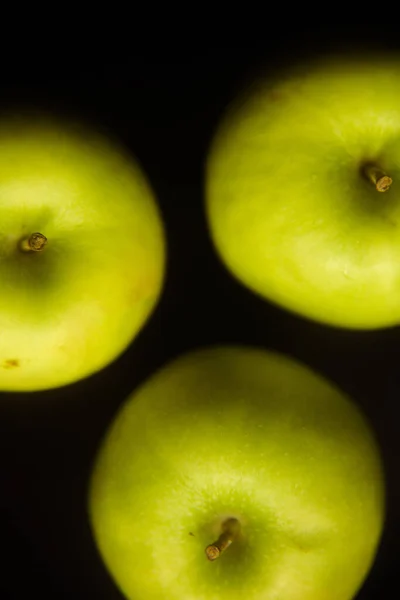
point(34, 243)
point(230, 531)
point(377, 177)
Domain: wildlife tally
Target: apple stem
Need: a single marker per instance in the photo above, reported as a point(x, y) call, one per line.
point(34, 243)
point(378, 178)
point(230, 531)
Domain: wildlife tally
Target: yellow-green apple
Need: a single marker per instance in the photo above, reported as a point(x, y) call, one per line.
point(237, 473)
point(295, 176)
point(81, 252)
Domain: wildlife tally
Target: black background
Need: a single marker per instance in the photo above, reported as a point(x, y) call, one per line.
point(164, 107)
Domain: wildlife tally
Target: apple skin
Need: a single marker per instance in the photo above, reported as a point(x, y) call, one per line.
point(71, 309)
point(238, 432)
point(289, 211)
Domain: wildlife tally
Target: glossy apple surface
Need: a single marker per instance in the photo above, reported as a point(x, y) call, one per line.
point(292, 211)
point(238, 433)
point(69, 309)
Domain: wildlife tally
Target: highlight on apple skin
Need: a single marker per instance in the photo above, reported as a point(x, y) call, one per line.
point(303, 189)
point(237, 473)
point(82, 251)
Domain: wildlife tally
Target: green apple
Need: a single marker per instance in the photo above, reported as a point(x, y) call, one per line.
point(82, 252)
point(237, 473)
point(293, 194)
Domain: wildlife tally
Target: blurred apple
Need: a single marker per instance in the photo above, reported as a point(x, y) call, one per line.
point(81, 252)
point(295, 178)
point(236, 473)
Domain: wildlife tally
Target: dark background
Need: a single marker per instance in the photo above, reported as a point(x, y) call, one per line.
point(164, 106)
